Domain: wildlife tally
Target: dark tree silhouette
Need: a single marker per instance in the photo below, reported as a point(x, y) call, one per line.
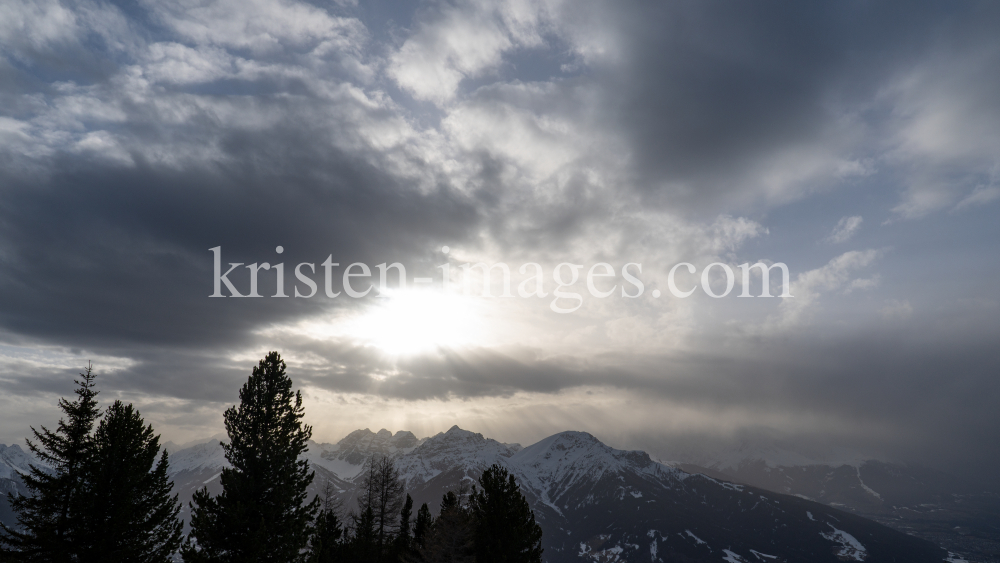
point(48, 517)
point(450, 539)
point(262, 513)
point(327, 544)
point(422, 526)
point(382, 492)
point(364, 547)
point(404, 541)
point(505, 528)
point(128, 513)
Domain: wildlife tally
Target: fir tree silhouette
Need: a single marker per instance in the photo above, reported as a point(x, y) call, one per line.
point(128, 513)
point(506, 531)
point(328, 542)
point(262, 513)
point(47, 517)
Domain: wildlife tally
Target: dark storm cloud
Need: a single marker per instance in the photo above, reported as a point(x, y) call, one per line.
point(703, 91)
point(708, 92)
point(111, 257)
point(737, 107)
point(709, 107)
point(114, 258)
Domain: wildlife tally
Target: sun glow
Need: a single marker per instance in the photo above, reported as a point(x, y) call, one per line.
point(410, 322)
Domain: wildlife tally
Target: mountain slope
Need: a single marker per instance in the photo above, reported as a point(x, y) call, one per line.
point(596, 503)
point(913, 499)
point(600, 504)
point(14, 462)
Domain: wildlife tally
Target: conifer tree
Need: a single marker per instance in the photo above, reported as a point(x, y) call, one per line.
point(450, 500)
point(505, 528)
point(262, 513)
point(128, 513)
point(364, 547)
point(47, 517)
point(403, 537)
point(423, 525)
point(404, 541)
point(327, 543)
point(450, 539)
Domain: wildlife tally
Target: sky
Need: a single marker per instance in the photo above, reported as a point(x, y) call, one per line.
point(857, 143)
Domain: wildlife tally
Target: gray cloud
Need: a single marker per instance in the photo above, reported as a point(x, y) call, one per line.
point(134, 138)
point(125, 253)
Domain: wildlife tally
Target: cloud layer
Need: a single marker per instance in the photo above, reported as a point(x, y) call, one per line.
point(135, 137)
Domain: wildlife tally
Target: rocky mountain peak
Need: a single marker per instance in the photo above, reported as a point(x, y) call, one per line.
point(560, 462)
point(457, 450)
point(405, 439)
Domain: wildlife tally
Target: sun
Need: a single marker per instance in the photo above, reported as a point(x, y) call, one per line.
point(406, 322)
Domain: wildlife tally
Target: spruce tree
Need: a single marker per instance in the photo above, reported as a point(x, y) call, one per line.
point(129, 514)
point(262, 513)
point(505, 528)
point(403, 538)
point(364, 547)
point(423, 525)
point(450, 539)
point(327, 543)
point(48, 517)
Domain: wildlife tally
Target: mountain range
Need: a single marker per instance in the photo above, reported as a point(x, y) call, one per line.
point(603, 505)
point(951, 512)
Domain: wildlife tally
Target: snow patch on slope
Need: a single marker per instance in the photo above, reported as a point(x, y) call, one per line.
point(850, 548)
point(865, 487)
point(697, 540)
point(652, 544)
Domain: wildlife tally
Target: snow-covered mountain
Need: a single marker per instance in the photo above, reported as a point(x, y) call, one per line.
point(200, 465)
point(347, 457)
point(456, 450)
point(14, 462)
point(557, 465)
point(602, 505)
point(596, 503)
